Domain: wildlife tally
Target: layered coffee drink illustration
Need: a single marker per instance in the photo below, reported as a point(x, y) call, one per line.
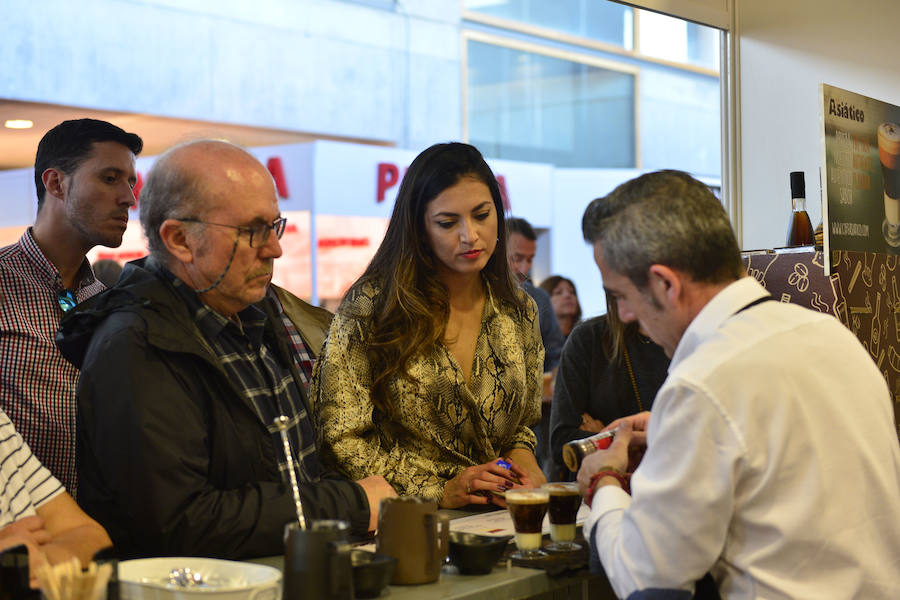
point(889, 153)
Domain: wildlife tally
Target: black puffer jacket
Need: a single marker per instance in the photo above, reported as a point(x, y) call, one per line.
point(171, 459)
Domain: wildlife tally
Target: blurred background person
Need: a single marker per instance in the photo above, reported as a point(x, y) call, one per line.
point(521, 247)
point(609, 369)
point(432, 367)
point(565, 303)
point(107, 271)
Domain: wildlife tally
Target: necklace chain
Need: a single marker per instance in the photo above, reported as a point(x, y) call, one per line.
point(637, 394)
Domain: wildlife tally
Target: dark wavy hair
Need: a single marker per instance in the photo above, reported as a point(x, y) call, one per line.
point(411, 309)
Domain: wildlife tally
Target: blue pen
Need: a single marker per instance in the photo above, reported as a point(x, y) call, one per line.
point(508, 467)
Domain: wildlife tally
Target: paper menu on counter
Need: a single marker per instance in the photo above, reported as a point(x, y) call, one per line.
point(499, 523)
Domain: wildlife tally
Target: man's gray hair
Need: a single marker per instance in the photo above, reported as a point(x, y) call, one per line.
point(169, 192)
point(666, 218)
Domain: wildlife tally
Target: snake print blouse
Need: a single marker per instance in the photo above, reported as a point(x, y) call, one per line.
point(441, 424)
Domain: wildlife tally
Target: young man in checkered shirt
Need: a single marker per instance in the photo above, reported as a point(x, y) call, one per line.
point(84, 174)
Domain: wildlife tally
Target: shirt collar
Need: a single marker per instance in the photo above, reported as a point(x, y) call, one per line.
point(719, 309)
point(48, 270)
point(251, 321)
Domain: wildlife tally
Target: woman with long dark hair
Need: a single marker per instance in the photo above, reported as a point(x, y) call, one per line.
point(432, 367)
point(564, 299)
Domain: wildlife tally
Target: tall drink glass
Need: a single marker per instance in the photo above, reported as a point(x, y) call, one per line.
point(527, 507)
point(564, 504)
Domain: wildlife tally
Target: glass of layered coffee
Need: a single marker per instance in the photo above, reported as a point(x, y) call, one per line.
point(564, 504)
point(527, 507)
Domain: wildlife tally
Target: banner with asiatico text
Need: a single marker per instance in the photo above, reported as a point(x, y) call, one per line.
point(861, 175)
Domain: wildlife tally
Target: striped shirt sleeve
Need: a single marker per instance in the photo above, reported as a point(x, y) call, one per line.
point(25, 484)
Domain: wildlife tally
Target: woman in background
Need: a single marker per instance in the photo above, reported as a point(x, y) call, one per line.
point(608, 370)
point(565, 303)
point(432, 367)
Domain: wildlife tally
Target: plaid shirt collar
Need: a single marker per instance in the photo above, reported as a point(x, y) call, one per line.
point(51, 277)
point(252, 320)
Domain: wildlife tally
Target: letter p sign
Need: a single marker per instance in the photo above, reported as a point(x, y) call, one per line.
point(388, 175)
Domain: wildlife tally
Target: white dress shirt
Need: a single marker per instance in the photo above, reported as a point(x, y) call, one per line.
point(772, 462)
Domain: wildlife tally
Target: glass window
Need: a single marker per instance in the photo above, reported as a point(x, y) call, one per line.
point(672, 39)
point(598, 20)
point(531, 107)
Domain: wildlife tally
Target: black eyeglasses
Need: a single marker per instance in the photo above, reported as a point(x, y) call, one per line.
point(66, 300)
point(259, 234)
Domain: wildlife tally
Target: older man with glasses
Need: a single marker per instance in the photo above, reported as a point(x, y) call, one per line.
point(187, 365)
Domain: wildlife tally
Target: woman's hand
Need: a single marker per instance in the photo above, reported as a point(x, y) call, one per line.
point(473, 485)
point(589, 423)
point(30, 532)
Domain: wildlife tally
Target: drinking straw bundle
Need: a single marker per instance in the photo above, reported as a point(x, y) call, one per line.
point(67, 581)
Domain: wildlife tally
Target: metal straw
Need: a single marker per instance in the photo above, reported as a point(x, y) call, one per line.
point(282, 424)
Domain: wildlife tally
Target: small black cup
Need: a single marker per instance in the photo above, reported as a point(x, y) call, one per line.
point(476, 554)
point(372, 572)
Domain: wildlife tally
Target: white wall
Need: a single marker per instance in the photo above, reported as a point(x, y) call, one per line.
point(788, 47)
point(573, 190)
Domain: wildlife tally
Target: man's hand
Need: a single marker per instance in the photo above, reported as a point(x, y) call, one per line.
point(616, 457)
point(376, 487)
point(639, 422)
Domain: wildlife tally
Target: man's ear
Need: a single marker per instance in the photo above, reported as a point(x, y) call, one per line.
point(52, 179)
point(174, 236)
point(665, 284)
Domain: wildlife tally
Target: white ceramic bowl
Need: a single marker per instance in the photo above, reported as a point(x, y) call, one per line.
point(148, 579)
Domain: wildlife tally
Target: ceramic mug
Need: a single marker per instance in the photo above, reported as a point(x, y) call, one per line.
point(317, 561)
point(411, 530)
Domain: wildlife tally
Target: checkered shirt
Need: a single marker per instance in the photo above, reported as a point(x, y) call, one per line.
point(303, 357)
point(37, 385)
point(267, 384)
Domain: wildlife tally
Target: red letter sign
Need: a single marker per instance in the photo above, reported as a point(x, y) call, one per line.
point(277, 170)
point(501, 181)
point(388, 174)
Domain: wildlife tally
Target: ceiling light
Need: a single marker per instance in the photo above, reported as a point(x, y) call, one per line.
point(18, 124)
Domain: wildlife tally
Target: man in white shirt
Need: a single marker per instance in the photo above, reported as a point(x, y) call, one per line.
point(771, 456)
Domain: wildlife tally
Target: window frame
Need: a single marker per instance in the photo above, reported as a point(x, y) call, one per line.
point(501, 41)
point(719, 14)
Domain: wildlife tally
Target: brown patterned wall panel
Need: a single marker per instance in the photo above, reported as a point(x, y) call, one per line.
point(863, 292)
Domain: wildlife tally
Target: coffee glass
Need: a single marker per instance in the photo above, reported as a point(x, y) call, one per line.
point(527, 507)
point(563, 509)
point(889, 154)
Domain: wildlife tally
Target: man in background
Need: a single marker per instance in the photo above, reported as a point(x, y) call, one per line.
point(187, 363)
point(84, 175)
point(521, 246)
point(771, 457)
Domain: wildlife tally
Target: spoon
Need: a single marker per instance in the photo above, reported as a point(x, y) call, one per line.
point(185, 577)
point(282, 424)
